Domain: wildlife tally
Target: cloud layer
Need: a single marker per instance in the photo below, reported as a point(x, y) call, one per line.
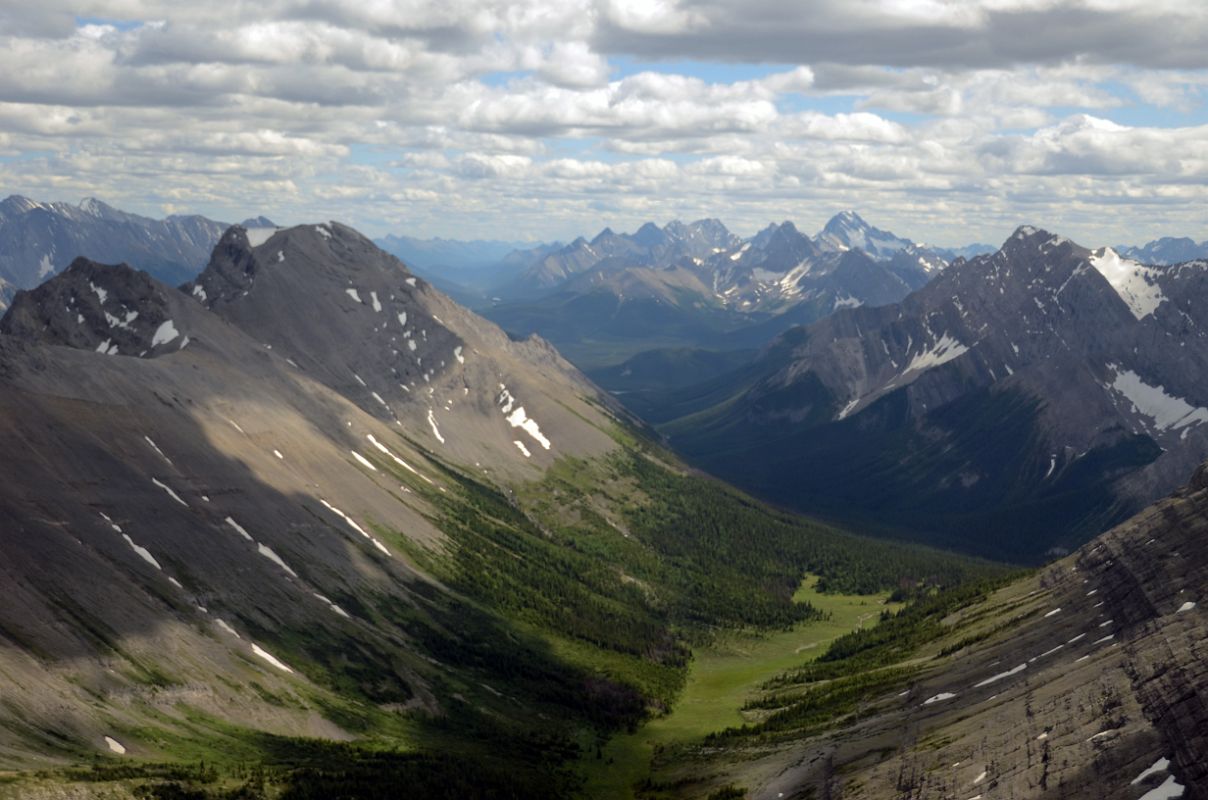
point(947, 120)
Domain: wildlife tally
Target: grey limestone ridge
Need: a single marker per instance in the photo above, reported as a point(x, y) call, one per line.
point(1088, 679)
point(1061, 387)
point(210, 479)
point(110, 309)
point(39, 239)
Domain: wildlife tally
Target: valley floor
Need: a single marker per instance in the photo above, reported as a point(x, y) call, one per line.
point(723, 676)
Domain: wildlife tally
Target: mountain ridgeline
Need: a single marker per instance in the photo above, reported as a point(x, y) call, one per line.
point(698, 285)
point(307, 513)
point(1014, 406)
point(38, 240)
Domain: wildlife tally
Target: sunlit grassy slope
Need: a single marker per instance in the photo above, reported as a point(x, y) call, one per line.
point(722, 677)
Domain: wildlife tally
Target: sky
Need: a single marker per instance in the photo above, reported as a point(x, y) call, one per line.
point(948, 121)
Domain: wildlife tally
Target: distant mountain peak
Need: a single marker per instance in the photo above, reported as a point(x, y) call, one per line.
point(95, 207)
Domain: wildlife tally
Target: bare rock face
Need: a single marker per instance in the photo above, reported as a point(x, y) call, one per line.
point(110, 309)
point(354, 318)
point(1086, 680)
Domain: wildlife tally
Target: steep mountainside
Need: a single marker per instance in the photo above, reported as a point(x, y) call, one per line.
point(39, 239)
point(1045, 390)
point(310, 501)
point(1084, 680)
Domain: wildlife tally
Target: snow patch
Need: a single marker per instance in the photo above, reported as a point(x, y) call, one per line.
point(165, 333)
point(101, 294)
point(457, 354)
point(377, 305)
point(143, 552)
point(1001, 675)
point(373, 441)
point(354, 294)
point(939, 698)
point(270, 658)
point(332, 606)
point(1054, 611)
point(1136, 284)
point(944, 350)
point(171, 493)
point(1186, 607)
point(352, 523)
point(518, 419)
point(1167, 412)
point(258, 236)
point(1169, 790)
point(435, 428)
point(268, 553)
point(238, 529)
point(115, 745)
point(520, 446)
point(363, 461)
point(155, 447)
point(227, 628)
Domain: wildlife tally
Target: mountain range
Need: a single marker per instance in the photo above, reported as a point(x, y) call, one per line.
point(37, 240)
point(305, 527)
point(306, 503)
point(699, 285)
point(1167, 250)
point(1015, 405)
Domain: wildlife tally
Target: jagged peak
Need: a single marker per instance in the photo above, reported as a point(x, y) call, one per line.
point(1033, 235)
point(847, 218)
point(109, 309)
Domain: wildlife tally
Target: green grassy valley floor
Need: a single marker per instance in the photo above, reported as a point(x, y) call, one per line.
point(723, 676)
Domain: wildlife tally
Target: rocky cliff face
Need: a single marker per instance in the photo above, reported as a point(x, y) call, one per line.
point(1087, 680)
